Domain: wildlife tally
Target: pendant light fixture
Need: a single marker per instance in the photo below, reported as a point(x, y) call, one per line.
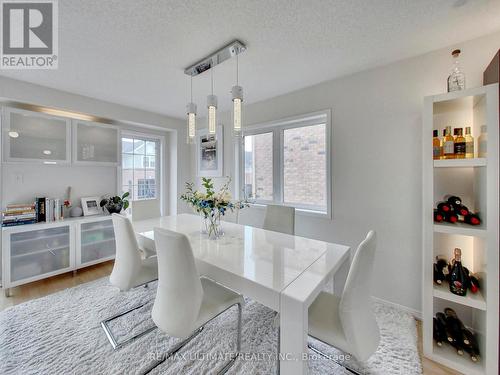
point(237, 92)
point(209, 62)
point(212, 106)
point(191, 118)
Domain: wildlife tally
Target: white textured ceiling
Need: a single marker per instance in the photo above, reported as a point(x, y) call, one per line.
point(133, 52)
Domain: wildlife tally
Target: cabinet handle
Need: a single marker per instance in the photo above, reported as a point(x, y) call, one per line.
point(50, 250)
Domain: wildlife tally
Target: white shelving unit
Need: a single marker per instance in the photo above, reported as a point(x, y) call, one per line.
point(37, 251)
point(476, 182)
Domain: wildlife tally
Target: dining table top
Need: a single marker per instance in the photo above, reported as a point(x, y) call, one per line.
point(270, 259)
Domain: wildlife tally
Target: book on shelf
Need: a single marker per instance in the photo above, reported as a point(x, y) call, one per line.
point(19, 222)
point(42, 209)
point(19, 214)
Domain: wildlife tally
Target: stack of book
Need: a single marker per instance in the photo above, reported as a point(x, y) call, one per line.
point(19, 214)
point(48, 209)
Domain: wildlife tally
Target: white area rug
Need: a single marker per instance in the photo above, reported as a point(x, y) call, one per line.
point(61, 334)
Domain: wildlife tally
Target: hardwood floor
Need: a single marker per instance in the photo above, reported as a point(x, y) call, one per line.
point(54, 284)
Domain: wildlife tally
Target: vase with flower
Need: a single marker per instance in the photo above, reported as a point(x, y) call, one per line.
point(212, 205)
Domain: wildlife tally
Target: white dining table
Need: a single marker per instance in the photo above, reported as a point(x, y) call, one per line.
point(281, 271)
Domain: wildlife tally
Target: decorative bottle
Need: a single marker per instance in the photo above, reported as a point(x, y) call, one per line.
point(469, 143)
point(458, 277)
point(448, 144)
point(436, 146)
point(459, 145)
point(482, 142)
point(456, 79)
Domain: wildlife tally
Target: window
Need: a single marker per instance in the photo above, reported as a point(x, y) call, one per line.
point(140, 167)
point(287, 162)
point(259, 166)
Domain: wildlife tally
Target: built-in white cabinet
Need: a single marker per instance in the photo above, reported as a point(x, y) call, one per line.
point(35, 137)
point(95, 242)
point(37, 251)
point(95, 143)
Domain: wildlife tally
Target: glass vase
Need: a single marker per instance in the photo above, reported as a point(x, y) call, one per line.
point(212, 225)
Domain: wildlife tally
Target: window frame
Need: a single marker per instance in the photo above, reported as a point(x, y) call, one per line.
point(158, 162)
point(277, 128)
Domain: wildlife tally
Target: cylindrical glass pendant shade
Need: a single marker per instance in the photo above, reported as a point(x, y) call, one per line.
point(237, 92)
point(191, 123)
point(212, 113)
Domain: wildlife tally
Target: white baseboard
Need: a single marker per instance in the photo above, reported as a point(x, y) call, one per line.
point(416, 314)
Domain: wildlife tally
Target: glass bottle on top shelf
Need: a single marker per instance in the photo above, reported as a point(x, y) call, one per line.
point(459, 144)
point(469, 143)
point(448, 144)
point(436, 146)
point(456, 79)
point(482, 142)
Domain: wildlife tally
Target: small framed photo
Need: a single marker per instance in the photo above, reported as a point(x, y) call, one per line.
point(90, 206)
point(210, 153)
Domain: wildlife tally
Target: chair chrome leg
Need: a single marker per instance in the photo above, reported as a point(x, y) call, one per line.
point(180, 345)
point(332, 359)
point(172, 351)
point(107, 329)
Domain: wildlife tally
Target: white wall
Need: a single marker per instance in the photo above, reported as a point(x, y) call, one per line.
point(90, 180)
point(376, 150)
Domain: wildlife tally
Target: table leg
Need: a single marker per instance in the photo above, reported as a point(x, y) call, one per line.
point(293, 336)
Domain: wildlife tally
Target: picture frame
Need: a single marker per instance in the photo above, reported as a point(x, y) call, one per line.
point(210, 153)
point(90, 206)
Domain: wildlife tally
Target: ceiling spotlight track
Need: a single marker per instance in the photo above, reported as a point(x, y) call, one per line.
point(225, 53)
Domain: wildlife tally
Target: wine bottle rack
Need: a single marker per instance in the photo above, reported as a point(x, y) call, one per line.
point(476, 182)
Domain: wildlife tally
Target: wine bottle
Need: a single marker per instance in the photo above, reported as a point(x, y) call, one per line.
point(441, 318)
point(458, 277)
point(472, 347)
point(472, 219)
point(437, 333)
point(450, 217)
point(439, 266)
point(456, 326)
point(473, 284)
point(461, 210)
point(444, 207)
point(453, 200)
point(438, 216)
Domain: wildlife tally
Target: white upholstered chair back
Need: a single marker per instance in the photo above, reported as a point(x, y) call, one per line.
point(280, 219)
point(128, 259)
point(356, 315)
point(145, 209)
point(179, 294)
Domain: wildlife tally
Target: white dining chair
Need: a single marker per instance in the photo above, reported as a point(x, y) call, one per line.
point(142, 210)
point(185, 302)
point(129, 271)
point(280, 219)
point(348, 323)
point(145, 209)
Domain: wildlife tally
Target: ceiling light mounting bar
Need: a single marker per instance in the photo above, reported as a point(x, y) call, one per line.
point(225, 53)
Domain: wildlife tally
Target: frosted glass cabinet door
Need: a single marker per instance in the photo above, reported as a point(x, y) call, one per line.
point(97, 242)
point(35, 137)
point(95, 143)
point(39, 252)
